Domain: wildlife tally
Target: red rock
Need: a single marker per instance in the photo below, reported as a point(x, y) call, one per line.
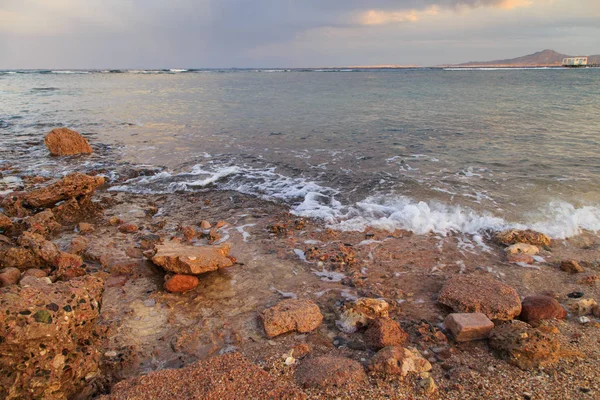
point(38, 245)
point(66, 142)
point(385, 332)
point(72, 186)
point(301, 350)
point(76, 210)
point(114, 221)
point(520, 258)
point(396, 360)
point(226, 377)
point(84, 227)
point(327, 371)
point(5, 223)
point(220, 224)
point(291, 315)
point(181, 283)
point(9, 276)
point(20, 258)
point(43, 223)
point(13, 206)
point(537, 308)
point(526, 236)
point(189, 233)
point(571, 266)
point(205, 225)
point(38, 273)
point(128, 228)
point(480, 294)
point(78, 245)
point(191, 260)
point(468, 326)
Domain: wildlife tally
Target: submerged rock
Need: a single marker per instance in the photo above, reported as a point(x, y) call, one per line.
point(327, 371)
point(537, 308)
point(397, 360)
point(360, 313)
point(480, 294)
point(66, 142)
point(226, 377)
point(525, 236)
point(191, 260)
point(291, 315)
point(50, 328)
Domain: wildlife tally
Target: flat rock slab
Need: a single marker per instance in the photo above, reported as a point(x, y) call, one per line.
point(465, 327)
point(191, 260)
point(226, 377)
point(291, 315)
point(480, 294)
point(328, 371)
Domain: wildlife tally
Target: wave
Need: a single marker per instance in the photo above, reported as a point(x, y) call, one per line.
point(389, 212)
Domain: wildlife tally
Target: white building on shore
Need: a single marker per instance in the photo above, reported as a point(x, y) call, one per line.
point(575, 62)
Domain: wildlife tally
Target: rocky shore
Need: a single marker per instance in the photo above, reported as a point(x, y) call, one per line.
point(219, 295)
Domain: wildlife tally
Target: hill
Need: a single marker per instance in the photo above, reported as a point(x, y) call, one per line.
point(544, 58)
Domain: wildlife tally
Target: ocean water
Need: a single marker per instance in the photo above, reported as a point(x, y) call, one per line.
point(425, 150)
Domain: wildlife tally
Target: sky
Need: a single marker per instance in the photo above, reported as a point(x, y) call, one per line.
point(73, 34)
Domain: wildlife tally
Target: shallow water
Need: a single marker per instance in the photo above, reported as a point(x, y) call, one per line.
point(426, 150)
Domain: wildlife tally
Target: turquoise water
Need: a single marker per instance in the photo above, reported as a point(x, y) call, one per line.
point(428, 150)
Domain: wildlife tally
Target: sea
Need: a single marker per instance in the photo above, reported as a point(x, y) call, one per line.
point(437, 151)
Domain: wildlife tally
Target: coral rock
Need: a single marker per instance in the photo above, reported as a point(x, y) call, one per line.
point(66, 142)
point(537, 308)
point(72, 186)
point(191, 260)
point(526, 236)
point(327, 371)
point(181, 283)
point(385, 332)
point(397, 360)
point(360, 313)
point(291, 315)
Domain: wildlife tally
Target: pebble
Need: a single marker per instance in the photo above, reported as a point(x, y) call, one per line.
point(584, 320)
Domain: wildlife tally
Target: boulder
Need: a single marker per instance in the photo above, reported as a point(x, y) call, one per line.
point(385, 332)
point(291, 315)
point(36, 272)
point(191, 260)
point(66, 142)
point(571, 266)
point(360, 313)
point(9, 276)
point(465, 327)
point(522, 248)
point(537, 308)
point(397, 360)
point(328, 371)
point(75, 185)
point(524, 346)
point(20, 258)
point(523, 236)
point(181, 283)
point(480, 294)
point(228, 377)
point(50, 328)
point(5, 223)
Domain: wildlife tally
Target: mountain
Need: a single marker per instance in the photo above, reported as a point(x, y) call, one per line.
point(544, 58)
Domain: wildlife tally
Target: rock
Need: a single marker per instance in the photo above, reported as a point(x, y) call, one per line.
point(584, 320)
point(522, 248)
point(596, 311)
point(84, 227)
point(465, 327)
point(291, 315)
point(571, 266)
point(40, 247)
point(428, 386)
point(328, 371)
point(5, 223)
point(20, 258)
point(480, 294)
point(38, 273)
point(128, 228)
point(9, 276)
point(189, 233)
point(396, 360)
point(38, 326)
point(385, 332)
point(191, 260)
point(72, 186)
point(66, 142)
point(181, 283)
point(43, 223)
point(78, 245)
point(537, 308)
point(205, 225)
point(114, 221)
point(76, 210)
point(12, 204)
point(301, 350)
point(524, 346)
point(526, 236)
point(520, 258)
point(360, 313)
point(34, 281)
point(229, 376)
point(582, 307)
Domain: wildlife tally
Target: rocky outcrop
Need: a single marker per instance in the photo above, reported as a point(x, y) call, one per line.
point(72, 186)
point(480, 294)
point(191, 260)
point(360, 313)
point(397, 360)
point(291, 315)
point(226, 377)
point(525, 236)
point(66, 142)
point(538, 308)
point(328, 371)
point(48, 338)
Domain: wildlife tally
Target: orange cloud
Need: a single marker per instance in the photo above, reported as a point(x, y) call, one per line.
point(379, 17)
point(511, 4)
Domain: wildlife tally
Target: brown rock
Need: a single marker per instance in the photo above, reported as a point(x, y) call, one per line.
point(189, 233)
point(226, 377)
point(43, 223)
point(38, 245)
point(582, 307)
point(301, 350)
point(571, 266)
point(5, 223)
point(39, 324)
point(32, 281)
point(468, 326)
point(291, 315)
point(13, 205)
point(360, 313)
point(397, 360)
point(38, 273)
point(220, 224)
point(114, 221)
point(72, 186)
point(385, 332)
point(480, 294)
point(522, 248)
point(526, 236)
point(78, 245)
point(66, 142)
point(76, 210)
point(20, 258)
point(128, 228)
point(84, 227)
point(191, 260)
point(327, 371)
point(520, 258)
point(181, 283)
point(596, 311)
point(9, 276)
point(537, 308)
point(205, 225)
point(524, 346)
